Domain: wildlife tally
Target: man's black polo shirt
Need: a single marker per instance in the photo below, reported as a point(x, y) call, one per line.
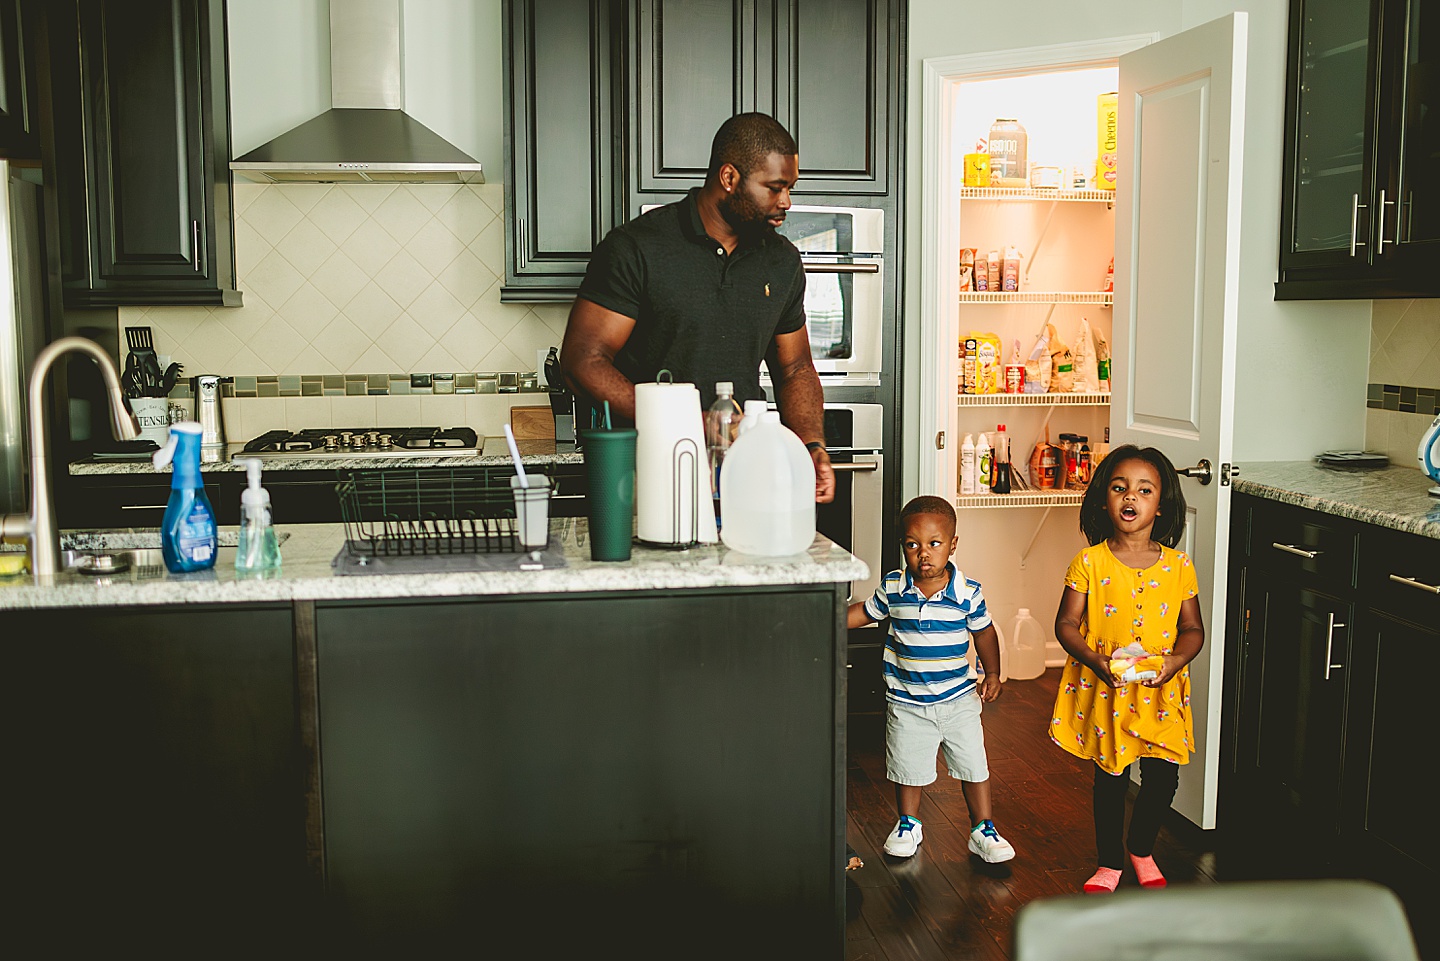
point(698, 313)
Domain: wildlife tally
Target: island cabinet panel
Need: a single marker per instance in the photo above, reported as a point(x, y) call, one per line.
point(153, 788)
point(1329, 621)
point(639, 769)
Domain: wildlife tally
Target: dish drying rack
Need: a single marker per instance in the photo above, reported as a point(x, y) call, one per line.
point(428, 512)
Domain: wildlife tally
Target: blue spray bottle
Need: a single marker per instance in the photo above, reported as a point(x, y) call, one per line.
point(187, 534)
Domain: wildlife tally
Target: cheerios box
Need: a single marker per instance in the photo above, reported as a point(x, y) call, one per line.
point(1107, 111)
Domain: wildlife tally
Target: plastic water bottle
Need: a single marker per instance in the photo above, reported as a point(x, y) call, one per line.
point(722, 425)
point(767, 491)
point(1027, 647)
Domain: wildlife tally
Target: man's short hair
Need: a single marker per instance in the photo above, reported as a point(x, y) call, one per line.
point(928, 504)
point(745, 140)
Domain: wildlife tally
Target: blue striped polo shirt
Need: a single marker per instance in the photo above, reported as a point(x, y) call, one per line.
point(925, 652)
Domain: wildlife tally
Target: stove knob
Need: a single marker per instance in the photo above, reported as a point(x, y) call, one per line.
point(346, 438)
point(331, 442)
point(385, 442)
point(357, 441)
point(372, 437)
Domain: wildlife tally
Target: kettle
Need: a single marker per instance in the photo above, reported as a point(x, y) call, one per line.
point(1429, 453)
point(207, 412)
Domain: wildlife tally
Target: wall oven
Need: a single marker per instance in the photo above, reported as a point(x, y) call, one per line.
point(842, 250)
point(855, 518)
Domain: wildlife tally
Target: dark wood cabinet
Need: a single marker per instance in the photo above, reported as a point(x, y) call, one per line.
point(19, 137)
point(153, 780)
point(823, 68)
point(614, 105)
point(1328, 624)
point(144, 99)
point(561, 82)
point(1361, 214)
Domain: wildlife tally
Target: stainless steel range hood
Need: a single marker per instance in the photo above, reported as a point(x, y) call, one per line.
point(365, 137)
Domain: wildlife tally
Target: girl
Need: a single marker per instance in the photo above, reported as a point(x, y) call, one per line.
point(1130, 586)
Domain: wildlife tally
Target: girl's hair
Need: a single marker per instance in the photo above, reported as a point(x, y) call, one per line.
point(1095, 519)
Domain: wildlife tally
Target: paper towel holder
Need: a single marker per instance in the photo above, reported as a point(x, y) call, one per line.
point(684, 453)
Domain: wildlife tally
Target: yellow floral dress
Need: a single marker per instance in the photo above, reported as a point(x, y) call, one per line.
point(1115, 726)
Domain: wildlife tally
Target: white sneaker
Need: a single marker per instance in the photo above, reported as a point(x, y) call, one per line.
point(987, 842)
point(905, 839)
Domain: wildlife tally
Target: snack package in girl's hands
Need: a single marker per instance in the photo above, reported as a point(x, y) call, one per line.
point(1086, 375)
point(1037, 365)
point(1133, 663)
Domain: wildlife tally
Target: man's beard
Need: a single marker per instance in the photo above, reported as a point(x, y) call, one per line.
point(745, 218)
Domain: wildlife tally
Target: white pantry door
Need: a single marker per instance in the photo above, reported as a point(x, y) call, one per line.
point(1177, 242)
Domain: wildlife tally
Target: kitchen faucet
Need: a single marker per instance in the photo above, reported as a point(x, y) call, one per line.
point(38, 529)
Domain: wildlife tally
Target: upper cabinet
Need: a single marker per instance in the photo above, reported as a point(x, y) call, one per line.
point(822, 68)
point(1361, 215)
point(614, 106)
point(143, 152)
point(18, 136)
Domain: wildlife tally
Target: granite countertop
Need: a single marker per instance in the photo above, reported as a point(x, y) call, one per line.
point(492, 453)
point(1393, 497)
point(307, 574)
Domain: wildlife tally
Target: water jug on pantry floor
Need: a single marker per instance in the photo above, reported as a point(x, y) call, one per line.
point(767, 491)
point(1025, 658)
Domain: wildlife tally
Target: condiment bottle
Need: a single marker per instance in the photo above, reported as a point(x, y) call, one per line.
point(1000, 467)
point(1082, 461)
point(967, 465)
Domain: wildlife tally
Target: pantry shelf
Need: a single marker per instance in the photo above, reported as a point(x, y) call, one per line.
point(1073, 399)
point(1103, 299)
point(1029, 499)
point(1037, 193)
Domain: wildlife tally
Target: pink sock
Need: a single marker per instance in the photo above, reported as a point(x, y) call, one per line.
point(1148, 872)
point(1103, 881)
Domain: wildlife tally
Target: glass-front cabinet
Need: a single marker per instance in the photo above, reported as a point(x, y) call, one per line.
point(1360, 216)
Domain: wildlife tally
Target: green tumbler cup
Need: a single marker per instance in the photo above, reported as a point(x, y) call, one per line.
point(610, 471)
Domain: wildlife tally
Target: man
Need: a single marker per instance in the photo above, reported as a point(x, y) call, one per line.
point(706, 289)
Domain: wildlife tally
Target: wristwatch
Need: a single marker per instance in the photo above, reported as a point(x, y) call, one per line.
point(815, 445)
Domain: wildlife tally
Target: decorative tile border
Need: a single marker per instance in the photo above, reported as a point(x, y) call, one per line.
point(1413, 400)
point(373, 385)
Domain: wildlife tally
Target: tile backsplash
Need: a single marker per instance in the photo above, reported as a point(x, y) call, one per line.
point(362, 279)
point(1404, 391)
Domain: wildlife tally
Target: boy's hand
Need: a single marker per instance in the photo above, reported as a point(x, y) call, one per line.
point(989, 687)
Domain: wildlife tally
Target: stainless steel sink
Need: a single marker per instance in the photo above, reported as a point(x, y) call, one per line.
point(138, 562)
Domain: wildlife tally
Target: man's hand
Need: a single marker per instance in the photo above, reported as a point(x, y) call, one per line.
point(824, 476)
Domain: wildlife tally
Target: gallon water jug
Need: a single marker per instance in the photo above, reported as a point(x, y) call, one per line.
point(1026, 659)
point(767, 491)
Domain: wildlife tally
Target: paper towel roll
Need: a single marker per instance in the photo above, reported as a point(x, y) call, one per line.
point(672, 469)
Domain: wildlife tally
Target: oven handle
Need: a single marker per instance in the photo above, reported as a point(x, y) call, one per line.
point(814, 268)
point(863, 466)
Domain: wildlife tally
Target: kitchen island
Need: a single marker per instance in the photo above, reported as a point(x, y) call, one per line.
point(644, 757)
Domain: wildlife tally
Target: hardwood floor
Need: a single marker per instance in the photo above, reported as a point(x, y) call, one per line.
point(945, 902)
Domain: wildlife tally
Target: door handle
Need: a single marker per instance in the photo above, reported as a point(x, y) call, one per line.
point(1201, 471)
point(1419, 585)
point(819, 268)
point(195, 243)
point(1330, 644)
point(870, 466)
point(1355, 206)
point(1383, 204)
point(1297, 551)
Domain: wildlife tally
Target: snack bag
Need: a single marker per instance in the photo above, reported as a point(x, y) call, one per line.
point(1062, 367)
point(1102, 361)
point(1086, 378)
point(1037, 365)
point(1133, 663)
point(987, 363)
point(967, 267)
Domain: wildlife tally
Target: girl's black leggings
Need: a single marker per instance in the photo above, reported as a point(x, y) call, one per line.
point(1158, 780)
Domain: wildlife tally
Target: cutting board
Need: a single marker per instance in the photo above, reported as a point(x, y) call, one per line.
point(532, 423)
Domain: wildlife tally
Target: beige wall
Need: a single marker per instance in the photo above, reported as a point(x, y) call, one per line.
point(1404, 351)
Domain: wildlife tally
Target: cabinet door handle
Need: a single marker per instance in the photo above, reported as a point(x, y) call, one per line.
point(1329, 646)
point(1355, 207)
point(827, 268)
point(1383, 204)
point(1419, 585)
point(520, 252)
point(863, 466)
point(195, 243)
point(1297, 551)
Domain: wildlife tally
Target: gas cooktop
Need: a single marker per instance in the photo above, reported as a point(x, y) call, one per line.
point(339, 442)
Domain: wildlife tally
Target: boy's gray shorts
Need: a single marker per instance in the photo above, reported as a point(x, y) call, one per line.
point(913, 733)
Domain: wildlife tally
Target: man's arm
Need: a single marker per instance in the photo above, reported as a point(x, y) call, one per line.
point(801, 400)
point(593, 336)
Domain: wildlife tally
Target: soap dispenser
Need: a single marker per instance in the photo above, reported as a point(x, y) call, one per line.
point(188, 540)
point(259, 547)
